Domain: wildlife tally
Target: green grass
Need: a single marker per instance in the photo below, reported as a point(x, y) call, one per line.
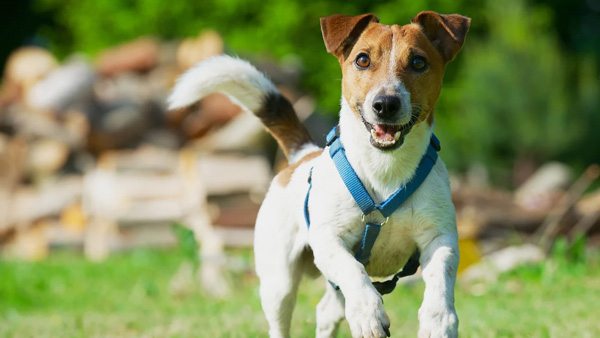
point(127, 296)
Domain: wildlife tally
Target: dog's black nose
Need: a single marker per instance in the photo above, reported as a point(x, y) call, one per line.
point(386, 105)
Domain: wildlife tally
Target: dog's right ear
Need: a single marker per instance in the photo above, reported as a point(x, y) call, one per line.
point(340, 32)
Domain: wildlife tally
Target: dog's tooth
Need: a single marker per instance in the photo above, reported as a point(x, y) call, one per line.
point(373, 134)
point(397, 135)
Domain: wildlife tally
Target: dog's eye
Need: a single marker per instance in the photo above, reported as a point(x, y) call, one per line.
point(418, 63)
point(363, 61)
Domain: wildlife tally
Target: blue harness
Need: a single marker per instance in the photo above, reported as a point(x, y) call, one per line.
point(367, 205)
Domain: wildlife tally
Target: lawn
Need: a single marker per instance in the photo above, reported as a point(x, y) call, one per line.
point(127, 296)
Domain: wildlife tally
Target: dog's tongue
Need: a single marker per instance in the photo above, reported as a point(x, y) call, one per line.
point(384, 132)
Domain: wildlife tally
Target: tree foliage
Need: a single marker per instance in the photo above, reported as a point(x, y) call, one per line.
point(513, 97)
point(516, 90)
point(278, 29)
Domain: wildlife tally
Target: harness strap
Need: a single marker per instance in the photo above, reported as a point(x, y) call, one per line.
point(367, 205)
point(351, 180)
point(306, 212)
point(393, 202)
point(366, 244)
point(357, 189)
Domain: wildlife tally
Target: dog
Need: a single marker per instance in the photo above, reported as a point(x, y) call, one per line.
point(392, 78)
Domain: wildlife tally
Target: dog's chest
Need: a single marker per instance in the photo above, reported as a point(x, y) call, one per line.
point(393, 247)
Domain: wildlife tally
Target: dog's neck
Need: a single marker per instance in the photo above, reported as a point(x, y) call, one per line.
point(382, 172)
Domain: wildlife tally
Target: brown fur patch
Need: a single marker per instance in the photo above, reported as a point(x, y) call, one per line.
point(285, 176)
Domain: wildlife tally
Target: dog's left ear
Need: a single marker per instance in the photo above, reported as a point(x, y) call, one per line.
point(446, 32)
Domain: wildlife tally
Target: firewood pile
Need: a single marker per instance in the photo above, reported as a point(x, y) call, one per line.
point(501, 230)
point(91, 158)
point(549, 204)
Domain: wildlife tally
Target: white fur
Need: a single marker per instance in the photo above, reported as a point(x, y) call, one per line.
point(283, 243)
point(236, 78)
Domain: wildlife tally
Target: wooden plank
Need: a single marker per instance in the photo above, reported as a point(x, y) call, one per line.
point(229, 174)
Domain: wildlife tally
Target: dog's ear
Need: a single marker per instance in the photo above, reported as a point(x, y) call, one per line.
point(340, 32)
point(446, 32)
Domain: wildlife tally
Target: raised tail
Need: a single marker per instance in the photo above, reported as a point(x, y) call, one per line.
point(248, 88)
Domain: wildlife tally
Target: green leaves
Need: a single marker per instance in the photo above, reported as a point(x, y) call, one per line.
point(513, 92)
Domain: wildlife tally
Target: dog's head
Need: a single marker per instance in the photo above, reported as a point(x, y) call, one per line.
point(392, 75)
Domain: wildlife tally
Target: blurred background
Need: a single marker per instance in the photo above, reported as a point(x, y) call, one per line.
point(120, 218)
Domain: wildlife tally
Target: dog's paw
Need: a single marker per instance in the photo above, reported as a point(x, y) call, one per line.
point(366, 315)
point(437, 321)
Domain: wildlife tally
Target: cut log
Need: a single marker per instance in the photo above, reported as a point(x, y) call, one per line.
point(137, 55)
point(540, 190)
point(67, 85)
point(46, 157)
point(28, 205)
point(550, 227)
point(24, 68)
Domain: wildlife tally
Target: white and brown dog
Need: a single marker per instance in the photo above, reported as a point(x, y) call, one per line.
point(392, 77)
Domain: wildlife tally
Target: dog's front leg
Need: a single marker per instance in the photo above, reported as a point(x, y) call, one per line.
point(364, 306)
point(439, 262)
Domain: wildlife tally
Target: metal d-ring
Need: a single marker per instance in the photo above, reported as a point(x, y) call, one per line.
point(363, 216)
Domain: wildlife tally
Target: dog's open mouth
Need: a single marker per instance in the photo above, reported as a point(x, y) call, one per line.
point(385, 135)
point(389, 136)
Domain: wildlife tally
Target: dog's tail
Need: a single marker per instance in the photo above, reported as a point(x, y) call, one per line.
point(250, 89)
